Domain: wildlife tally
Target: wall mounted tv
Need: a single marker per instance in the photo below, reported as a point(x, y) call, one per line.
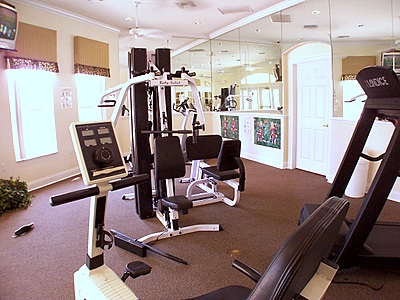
point(8, 26)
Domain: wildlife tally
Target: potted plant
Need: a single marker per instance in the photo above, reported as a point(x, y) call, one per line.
point(13, 194)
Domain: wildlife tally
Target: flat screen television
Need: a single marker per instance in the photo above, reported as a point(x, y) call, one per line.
point(8, 26)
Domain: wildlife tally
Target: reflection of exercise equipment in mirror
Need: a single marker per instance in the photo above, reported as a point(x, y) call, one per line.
point(187, 110)
point(101, 163)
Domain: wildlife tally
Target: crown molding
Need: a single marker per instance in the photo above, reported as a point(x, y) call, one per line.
point(66, 14)
point(253, 17)
point(188, 47)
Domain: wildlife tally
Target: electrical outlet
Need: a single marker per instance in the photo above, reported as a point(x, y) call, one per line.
point(3, 167)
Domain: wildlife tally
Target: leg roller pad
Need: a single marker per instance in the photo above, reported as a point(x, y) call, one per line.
point(130, 245)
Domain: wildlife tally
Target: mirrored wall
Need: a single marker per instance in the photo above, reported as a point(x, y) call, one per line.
point(243, 69)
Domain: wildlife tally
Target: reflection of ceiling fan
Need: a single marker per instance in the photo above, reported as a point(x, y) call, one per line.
point(395, 46)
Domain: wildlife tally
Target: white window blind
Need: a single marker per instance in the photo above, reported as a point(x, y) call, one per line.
point(89, 88)
point(32, 111)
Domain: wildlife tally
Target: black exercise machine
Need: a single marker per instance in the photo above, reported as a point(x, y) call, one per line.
point(229, 169)
point(364, 241)
point(169, 164)
point(300, 269)
point(155, 80)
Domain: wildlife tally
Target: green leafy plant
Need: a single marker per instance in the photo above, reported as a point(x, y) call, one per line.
point(13, 194)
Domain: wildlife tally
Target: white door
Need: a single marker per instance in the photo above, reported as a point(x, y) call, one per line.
point(314, 96)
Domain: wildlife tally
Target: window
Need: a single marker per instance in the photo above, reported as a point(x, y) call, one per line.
point(31, 94)
point(89, 88)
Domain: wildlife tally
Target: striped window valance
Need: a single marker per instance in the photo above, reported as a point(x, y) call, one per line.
point(351, 65)
point(36, 49)
point(91, 57)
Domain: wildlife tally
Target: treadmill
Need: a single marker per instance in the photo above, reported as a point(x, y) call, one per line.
point(364, 241)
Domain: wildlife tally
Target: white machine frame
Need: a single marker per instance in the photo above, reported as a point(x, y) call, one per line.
point(101, 163)
point(211, 194)
point(99, 282)
point(153, 80)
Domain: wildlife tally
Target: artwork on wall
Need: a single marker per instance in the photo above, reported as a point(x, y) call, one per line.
point(267, 132)
point(230, 127)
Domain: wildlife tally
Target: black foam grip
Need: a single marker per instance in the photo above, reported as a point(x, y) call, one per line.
point(128, 181)
point(73, 196)
point(94, 191)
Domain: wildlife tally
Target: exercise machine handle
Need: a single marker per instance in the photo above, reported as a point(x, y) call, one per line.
point(128, 181)
point(73, 196)
point(94, 191)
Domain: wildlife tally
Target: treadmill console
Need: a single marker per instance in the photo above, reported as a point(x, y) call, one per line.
point(379, 82)
point(98, 153)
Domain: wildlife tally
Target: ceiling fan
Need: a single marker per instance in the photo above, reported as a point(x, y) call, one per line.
point(138, 33)
point(141, 33)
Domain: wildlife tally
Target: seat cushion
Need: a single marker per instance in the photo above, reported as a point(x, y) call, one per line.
point(220, 175)
point(177, 202)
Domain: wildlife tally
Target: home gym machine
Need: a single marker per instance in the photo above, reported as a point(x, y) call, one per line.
point(366, 241)
point(149, 88)
point(102, 166)
point(155, 79)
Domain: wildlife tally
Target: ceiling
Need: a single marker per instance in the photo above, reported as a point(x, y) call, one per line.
point(179, 21)
point(175, 24)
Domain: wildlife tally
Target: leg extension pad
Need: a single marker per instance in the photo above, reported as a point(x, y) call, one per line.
point(130, 245)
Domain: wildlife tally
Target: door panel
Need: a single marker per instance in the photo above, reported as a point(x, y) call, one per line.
point(313, 95)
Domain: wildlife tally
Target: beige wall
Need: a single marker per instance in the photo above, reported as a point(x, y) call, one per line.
point(50, 168)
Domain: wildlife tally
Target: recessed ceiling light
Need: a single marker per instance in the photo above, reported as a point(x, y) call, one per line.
point(315, 12)
point(258, 30)
point(197, 23)
point(128, 19)
point(168, 41)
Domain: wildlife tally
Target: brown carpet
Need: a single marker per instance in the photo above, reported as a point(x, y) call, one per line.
point(40, 265)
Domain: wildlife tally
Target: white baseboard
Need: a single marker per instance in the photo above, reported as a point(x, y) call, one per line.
point(45, 181)
point(263, 159)
point(394, 195)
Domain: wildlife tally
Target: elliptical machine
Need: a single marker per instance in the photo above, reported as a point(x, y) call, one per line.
point(102, 166)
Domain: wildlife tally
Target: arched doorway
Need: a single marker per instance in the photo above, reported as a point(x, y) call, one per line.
point(309, 90)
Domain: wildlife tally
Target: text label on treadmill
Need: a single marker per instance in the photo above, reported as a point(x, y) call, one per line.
point(376, 82)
